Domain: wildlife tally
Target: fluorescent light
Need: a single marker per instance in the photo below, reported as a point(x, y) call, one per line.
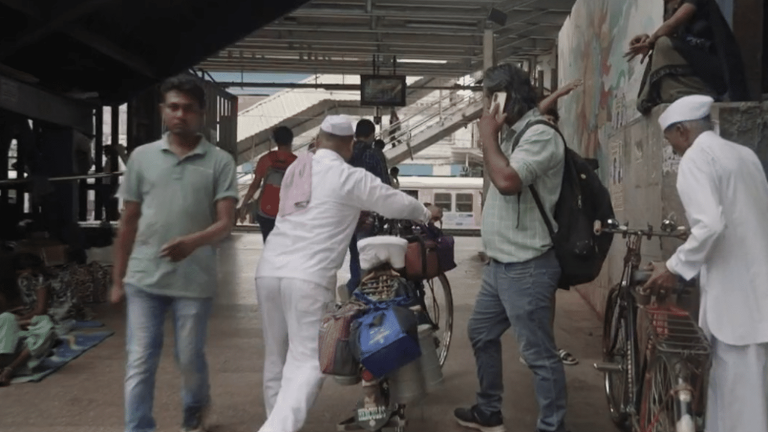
point(422, 61)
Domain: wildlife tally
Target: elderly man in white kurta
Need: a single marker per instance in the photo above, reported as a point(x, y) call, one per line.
point(725, 194)
point(320, 204)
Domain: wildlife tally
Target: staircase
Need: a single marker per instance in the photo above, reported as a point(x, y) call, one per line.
point(303, 110)
point(432, 124)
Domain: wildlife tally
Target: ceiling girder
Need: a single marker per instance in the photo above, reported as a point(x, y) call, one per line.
point(342, 36)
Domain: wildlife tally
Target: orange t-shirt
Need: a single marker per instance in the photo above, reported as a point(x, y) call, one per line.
point(272, 157)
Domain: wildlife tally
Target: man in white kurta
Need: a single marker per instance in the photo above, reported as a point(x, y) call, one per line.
point(297, 272)
point(724, 190)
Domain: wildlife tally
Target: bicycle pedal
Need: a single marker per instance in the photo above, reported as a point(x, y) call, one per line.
point(608, 367)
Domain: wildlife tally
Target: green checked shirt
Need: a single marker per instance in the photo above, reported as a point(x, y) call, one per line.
point(178, 197)
point(513, 228)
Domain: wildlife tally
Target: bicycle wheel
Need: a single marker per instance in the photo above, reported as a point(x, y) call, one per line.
point(438, 302)
point(657, 406)
point(617, 350)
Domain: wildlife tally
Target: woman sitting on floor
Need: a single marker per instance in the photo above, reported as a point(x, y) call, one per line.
point(24, 343)
point(45, 292)
point(693, 52)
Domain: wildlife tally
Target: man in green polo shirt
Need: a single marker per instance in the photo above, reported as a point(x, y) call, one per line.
point(179, 200)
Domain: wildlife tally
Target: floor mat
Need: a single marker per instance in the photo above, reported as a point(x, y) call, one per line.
point(88, 324)
point(73, 346)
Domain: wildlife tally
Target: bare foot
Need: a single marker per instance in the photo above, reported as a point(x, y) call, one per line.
point(5, 377)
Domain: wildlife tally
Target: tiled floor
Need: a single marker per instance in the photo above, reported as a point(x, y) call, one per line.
point(87, 395)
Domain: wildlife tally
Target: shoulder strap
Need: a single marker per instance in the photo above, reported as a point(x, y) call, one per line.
point(540, 122)
point(532, 188)
point(543, 212)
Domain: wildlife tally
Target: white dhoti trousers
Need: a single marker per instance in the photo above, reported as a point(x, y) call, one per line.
point(737, 398)
point(291, 311)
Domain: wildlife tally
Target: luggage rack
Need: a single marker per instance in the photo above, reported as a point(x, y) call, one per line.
point(380, 285)
point(673, 331)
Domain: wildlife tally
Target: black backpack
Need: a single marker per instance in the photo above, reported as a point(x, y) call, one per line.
point(583, 200)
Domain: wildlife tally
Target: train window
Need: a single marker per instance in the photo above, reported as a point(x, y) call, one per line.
point(444, 201)
point(412, 193)
point(464, 203)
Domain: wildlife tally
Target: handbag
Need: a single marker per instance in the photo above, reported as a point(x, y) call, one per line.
point(336, 357)
point(421, 261)
point(445, 245)
point(429, 254)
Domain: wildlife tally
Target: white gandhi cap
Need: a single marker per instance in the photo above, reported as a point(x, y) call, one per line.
point(687, 108)
point(339, 125)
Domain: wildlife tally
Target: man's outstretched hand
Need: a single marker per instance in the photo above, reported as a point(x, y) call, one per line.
point(437, 214)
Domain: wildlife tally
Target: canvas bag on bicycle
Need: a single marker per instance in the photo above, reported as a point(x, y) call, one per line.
point(583, 200)
point(386, 337)
point(336, 356)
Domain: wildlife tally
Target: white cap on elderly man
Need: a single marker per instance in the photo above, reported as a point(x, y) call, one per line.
point(339, 125)
point(687, 108)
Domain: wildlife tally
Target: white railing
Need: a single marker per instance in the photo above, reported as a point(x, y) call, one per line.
point(433, 114)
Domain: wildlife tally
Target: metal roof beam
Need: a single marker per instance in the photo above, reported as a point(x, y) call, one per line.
point(339, 87)
point(390, 13)
point(362, 39)
point(27, 7)
point(44, 25)
point(35, 103)
point(337, 68)
point(91, 39)
point(415, 31)
point(402, 53)
point(113, 51)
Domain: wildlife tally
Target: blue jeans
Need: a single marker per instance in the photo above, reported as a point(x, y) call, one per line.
point(144, 342)
point(519, 295)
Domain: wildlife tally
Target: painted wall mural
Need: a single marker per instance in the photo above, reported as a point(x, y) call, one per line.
point(592, 45)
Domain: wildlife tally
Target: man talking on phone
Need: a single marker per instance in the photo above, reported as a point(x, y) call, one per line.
point(521, 277)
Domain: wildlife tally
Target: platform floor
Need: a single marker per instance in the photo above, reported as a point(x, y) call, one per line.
point(87, 394)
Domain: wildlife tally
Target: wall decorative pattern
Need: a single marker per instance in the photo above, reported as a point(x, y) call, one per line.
point(592, 45)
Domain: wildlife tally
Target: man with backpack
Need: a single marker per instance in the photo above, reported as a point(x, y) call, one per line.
point(363, 156)
point(270, 170)
point(523, 272)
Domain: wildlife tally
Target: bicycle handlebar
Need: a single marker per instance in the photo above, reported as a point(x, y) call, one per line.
point(680, 232)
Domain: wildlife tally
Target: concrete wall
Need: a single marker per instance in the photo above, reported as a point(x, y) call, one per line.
point(644, 191)
point(601, 121)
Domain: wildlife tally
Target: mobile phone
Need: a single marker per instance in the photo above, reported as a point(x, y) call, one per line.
point(500, 99)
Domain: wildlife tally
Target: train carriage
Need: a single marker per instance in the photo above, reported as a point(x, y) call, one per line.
point(459, 197)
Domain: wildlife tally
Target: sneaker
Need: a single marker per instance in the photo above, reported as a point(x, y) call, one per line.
point(567, 358)
point(196, 422)
point(473, 418)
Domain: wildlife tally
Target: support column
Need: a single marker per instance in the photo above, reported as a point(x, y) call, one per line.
point(98, 159)
point(489, 60)
point(747, 22)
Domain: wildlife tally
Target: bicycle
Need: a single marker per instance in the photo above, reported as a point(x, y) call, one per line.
point(663, 387)
point(377, 411)
point(435, 295)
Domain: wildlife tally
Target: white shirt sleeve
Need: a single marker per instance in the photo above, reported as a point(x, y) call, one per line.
point(373, 195)
point(697, 187)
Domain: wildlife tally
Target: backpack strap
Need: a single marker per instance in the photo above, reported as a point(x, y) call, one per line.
point(532, 188)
